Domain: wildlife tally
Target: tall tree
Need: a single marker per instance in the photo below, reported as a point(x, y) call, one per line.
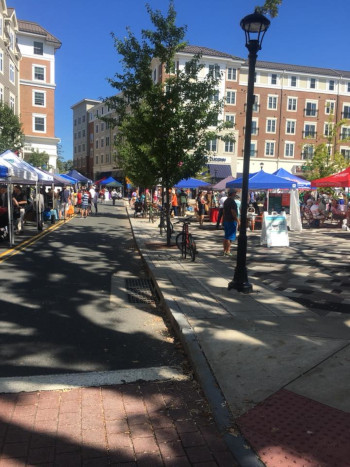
point(38, 159)
point(11, 135)
point(163, 126)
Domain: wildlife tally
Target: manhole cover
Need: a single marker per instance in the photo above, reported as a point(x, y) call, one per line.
point(141, 291)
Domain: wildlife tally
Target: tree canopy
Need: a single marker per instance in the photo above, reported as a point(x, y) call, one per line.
point(11, 135)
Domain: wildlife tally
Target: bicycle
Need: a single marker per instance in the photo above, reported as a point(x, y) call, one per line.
point(186, 243)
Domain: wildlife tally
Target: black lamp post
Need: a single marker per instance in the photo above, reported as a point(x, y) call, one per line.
point(254, 26)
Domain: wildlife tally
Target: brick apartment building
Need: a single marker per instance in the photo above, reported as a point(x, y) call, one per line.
point(294, 108)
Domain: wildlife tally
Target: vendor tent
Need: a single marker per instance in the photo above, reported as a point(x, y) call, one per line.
point(44, 178)
point(20, 170)
point(115, 184)
point(262, 181)
point(222, 184)
point(109, 180)
point(69, 180)
point(300, 182)
point(98, 182)
point(341, 179)
point(78, 176)
point(192, 183)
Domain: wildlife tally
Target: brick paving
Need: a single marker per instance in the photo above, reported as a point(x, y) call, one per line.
point(137, 424)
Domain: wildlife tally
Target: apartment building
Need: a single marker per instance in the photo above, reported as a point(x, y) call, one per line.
point(82, 147)
point(37, 88)
point(294, 110)
point(10, 57)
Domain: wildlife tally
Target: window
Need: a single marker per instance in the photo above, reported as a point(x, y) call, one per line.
point(107, 140)
point(102, 142)
point(211, 145)
point(102, 159)
point(12, 40)
point(293, 81)
point(1, 26)
point(308, 152)
point(231, 97)
point(269, 148)
point(346, 154)
point(271, 125)
point(83, 118)
point(273, 79)
point(309, 130)
point(155, 75)
point(1, 61)
point(214, 71)
point(96, 144)
point(292, 104)
point(83, 146)
point(107, 159)
point(79, 134)
point(229, 146)
point(75, 122)
point(96, 159)
point(83, 133)
point(12, 72)
point(96, 129)
point(328, 129)
point(312, 83)
point(1, 93)
point(231, 74)
point(349, 86)
point(79, 148)
point(102, 126)
point(215, 96)
point(256, 103)
point(289, 149)
point(38, 48)
point(330, 107)
point(39, 98)
point(253, 150)
point(346, 111)
point(290, 127)
point(39, 73)
point(12, 103)
point(331, 85)
point(230, 118)
point(311, 109)
point(255, 128)
point(75, 136)
point(39, 123)
point(272, 102)
point(345, 132)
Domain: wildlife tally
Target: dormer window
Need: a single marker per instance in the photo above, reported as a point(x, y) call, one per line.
point(38, 48)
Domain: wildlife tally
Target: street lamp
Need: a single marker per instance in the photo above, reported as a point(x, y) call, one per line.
point(254, 26)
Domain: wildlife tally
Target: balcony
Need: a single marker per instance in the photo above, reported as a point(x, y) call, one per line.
point(310, 134)
point(310, 112)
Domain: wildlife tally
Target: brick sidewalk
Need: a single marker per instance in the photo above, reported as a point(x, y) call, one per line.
point(155, 424)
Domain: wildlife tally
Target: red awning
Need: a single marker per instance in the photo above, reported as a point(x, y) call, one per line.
point(341, 179)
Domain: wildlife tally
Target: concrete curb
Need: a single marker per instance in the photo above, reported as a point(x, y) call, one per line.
point(237, 444)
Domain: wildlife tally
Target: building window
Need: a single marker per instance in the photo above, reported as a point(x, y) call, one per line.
point(1, 93)
point(107, 159)
point(329, 107)
point(1, 26)
point(39, 98)
point(79, 134)
point(255, 128)
point(328, 129)
point(107, 140)
point(79, 148)
point(96, 159)
point(345, 132)
point(96, 144)
point(75, 122)
point(273, 79)
point(12, 40)
point(12, 73)
point(39, 124)
point(272, 102)
point(102, 142)
point(1, 61)
point(231, 97)
point(83, 118)
point(253, 150)
point(215, 96)
point(348, 88)
point(309, 130)
point(231, 74)
point(96, 129)
point(271, 125)
point(75, 136)
point(83, 133)
point(290, 127)
point(346, 154)
point(292, 104)
point(102, 159)
point(312, 83)
point(102, 126)
point(12, 102)
point(211, 145)
point(256, 103)
point(346, 111)
point(308, 152)
point(214, 71)
point(269, 148)
point(289, 150)
point(83, 146)
point(229, 146)
point(331, 85)
point(311, 109)
point(38, 48)
point(39, 73)
point(293, 81)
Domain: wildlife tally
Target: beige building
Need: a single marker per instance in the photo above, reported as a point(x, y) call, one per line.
point(37, 88)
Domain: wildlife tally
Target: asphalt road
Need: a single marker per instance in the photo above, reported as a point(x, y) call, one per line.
point(56, 311)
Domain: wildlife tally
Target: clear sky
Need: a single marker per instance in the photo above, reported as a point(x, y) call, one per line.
point(306, 32)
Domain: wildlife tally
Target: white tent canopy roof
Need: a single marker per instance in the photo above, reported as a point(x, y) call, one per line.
point(19, 170)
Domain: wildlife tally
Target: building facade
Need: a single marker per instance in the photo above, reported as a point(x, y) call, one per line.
point(37, 88)
point(295, 109)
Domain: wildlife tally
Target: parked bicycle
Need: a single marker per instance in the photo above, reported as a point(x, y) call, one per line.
point(186, 243)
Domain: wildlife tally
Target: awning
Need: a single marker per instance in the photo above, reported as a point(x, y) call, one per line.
point(220, 170)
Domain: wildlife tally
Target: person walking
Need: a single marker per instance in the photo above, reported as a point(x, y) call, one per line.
point(84, 202)
point(19, 204)
point(230, 222)
point(114, 195)
point(183, 202)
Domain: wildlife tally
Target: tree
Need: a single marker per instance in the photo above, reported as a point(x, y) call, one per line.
point(163, 127)
point(38, 159)
point(63, 165)
point(270, 7)
point(11, 135)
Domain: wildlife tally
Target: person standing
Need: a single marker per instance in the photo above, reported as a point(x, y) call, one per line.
point(65, 197)
point(19, 205)
point(230, 222)
point(222, 199)
point(183, 202)
point(114, 195)
point(85, 195)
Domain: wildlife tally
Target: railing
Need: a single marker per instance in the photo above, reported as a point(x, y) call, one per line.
point(310, 134)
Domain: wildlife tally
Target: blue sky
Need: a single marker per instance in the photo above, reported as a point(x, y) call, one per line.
point(306, 32)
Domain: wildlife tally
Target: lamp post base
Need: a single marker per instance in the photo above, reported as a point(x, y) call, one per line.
point(244, 287)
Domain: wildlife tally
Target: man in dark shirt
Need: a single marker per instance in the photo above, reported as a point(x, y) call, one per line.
point(19, 204)
point(230, 221)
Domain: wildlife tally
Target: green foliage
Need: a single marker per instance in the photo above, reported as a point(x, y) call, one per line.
point(324, 164)
point(63, 165)
point(270, 7)
point(11, 135)
point(38, 159)
point(163, 127)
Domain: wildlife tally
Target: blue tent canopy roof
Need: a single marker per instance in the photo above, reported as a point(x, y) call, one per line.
point(300, 182)
point(78, 176)
point(70, 180)
point(262, 181)
point(191, 183)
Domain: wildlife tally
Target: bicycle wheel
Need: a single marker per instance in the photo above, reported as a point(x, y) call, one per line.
point(179, 240)
point(192, 249)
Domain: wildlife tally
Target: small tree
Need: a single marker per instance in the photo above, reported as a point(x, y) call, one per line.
point(11, 135)
point(38, 159)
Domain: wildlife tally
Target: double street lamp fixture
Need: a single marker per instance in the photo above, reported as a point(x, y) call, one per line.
point(254, 26)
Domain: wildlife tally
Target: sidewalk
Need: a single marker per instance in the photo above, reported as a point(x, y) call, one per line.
point(281, 367)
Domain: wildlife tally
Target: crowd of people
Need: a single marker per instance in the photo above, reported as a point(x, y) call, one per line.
point(317, 210)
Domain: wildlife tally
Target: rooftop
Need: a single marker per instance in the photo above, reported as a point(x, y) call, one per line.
point(35, 28)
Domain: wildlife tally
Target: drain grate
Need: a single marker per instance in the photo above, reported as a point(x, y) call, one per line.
point(141, 291)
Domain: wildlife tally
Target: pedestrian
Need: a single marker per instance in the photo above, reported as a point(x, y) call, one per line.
point(230, 222)
point(200, 207)
point(65, 197)
point(222, 199)
point(85, 195)
point(183, 202)
point(114, 195)
point(174, 203)
point(94, 201)
point(19, 205)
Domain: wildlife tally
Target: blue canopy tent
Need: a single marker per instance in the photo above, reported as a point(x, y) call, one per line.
point(70, 180)
point(109, 180)
point(300, 182)
point(78, 176)
point(191, 183)
point(262, 181)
